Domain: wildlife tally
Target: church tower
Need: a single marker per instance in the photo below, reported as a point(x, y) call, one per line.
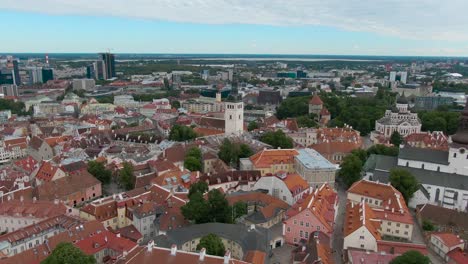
point(458, 152)
point(234, 113)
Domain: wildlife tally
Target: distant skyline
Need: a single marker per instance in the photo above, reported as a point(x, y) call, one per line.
point(352, 27)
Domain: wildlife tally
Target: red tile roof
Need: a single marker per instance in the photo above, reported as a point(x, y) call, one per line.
point(391, 247)
point(394, 206)
point(34, 209)
point(295, 182)
point(163, 255)
point(315, 100)
point(105, 240)
point(320, 202)
point(22, 143)
point(458, 256)
point(449, 239)
point(47, 171)
point(268, 157)
point(358, 215)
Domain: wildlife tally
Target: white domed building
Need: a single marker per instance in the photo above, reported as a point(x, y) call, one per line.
point(400, 119)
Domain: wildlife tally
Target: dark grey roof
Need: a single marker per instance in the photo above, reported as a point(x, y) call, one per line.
point(449, 180)
point(255, 239)
point(421, 154)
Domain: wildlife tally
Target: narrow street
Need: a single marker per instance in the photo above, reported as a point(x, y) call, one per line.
point(337, 238)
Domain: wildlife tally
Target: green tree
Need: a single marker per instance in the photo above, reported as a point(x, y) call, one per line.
point(175, 104)
point(404, 182)
point(212, 244)
point(192, 164)
point(306, 121)
point(66, 253)
point(193, 159)
point(252, 126)
point(226, 151)
point(396, 139)
point(380, 149)
point(100, 172)
point(200, 186)
point(350, 169)
point(194, 152)
point(17, 108)
point(126, 176)
point(277, 139)
point(411, 257)
point(361, 154)
point(244, 151)
point(239, 209)
point(197, 209)
point(219, 207)
point(182, 133)
point(427, 225)
point(231, 153)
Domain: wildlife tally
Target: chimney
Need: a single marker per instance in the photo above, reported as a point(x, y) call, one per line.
point(150, 246)
point(173, 249)
point(202, 254)
point(227, 257)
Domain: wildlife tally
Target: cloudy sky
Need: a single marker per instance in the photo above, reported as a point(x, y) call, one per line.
point(354, 27)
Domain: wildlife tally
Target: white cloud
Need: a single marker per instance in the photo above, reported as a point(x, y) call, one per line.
point(409, 19)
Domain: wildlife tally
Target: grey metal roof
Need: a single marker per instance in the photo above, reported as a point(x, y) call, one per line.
point(449, 180)
point(427, 155)
point(256, 239)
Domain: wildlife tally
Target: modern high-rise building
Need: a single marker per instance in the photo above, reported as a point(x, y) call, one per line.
point(392, 76)
point(9, 90)
point(90, 74)
point(109, 64)
point(100, 70)
point(398, 76)
point(47, 74)
point(40, 75)
point(35, 75)
point(9, 71)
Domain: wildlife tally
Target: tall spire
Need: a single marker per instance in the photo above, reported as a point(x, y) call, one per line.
point(461, 137)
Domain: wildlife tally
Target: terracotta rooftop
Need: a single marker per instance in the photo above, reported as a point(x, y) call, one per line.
point(55, 222)
point(105, 240)
point(394, 206)
point(32, 209)
point(295, 182)
point(458, 256)
point(47, 171)
point(358, 215)
point(392, 247)
point(320, 202)
point(315, 100)
point(145, 255)
point(61, 188)
point(269, 157)
point(449, 239)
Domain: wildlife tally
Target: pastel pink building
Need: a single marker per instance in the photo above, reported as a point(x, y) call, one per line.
point(314, 212)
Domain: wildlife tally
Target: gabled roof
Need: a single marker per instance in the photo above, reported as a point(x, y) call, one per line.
point(458, 256)
point(393, 204)
point(35, 143)
point(449, 239)
point(320, 203)
point(269, 157)
point(105, 240)
point(315, 100)
point(47, 171)
point(295, 182)
point(358, 215)
point(65, 186)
